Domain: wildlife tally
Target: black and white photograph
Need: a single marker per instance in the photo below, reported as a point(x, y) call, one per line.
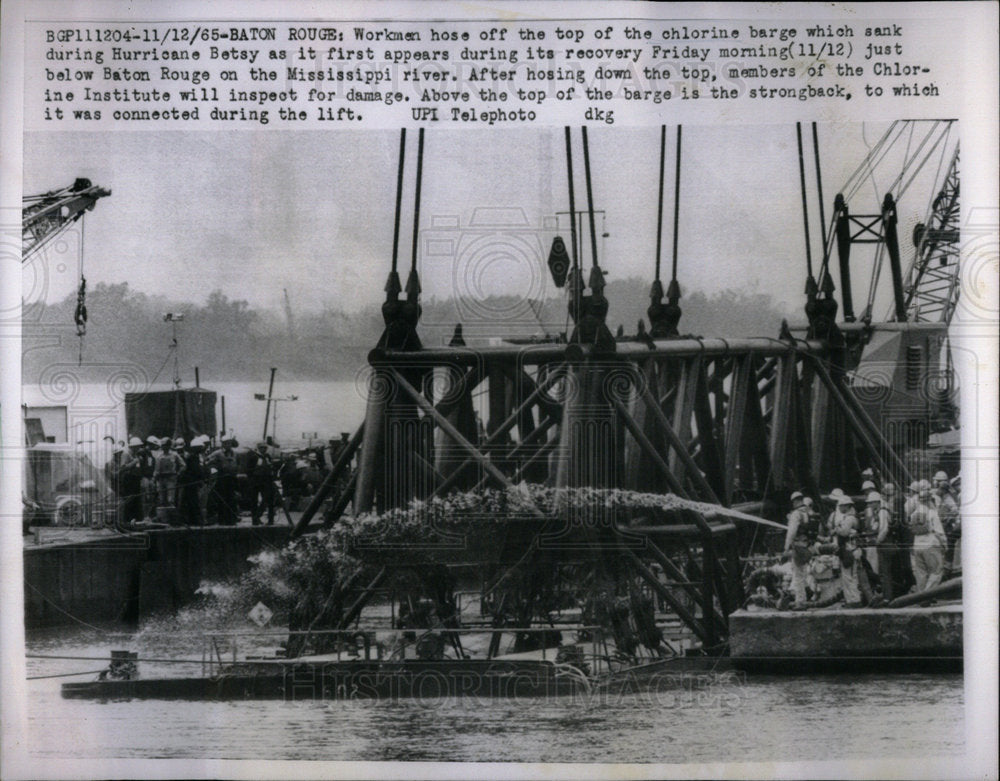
point(636, 444)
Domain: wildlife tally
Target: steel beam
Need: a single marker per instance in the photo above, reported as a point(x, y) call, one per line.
point(326, 487)
point(548, 353)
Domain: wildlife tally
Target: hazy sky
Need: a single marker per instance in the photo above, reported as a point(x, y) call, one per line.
point(254, 211)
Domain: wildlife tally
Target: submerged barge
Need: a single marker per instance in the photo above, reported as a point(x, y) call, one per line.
point(608, 472)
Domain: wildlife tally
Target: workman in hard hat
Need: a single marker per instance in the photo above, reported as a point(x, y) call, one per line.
point(929, 540)
point(168, 467)
point(868, 476)
point(190, 482)
point(851, 572)
point(843, 519)
point(799, 539)
point(148, 454)
point(951, 522)
point(911, 500)
point(880, 548)
point(901, 541)
point(130, 485)
point(113, 464)
point(844, 526)
point(223, 470)
point(260, 471)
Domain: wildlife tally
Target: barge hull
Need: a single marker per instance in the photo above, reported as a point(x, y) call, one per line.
point(916, 639)
point(345, 680)
point(130, 577)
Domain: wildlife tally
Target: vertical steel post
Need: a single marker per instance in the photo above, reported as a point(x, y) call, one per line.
point(267, 409)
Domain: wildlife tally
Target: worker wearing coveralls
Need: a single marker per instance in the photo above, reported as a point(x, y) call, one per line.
point(130, 484)
point(223, 467)
point(844, 525)
point(927, 557)
point(801, 534)
point(168, 466)
point(877, 526)
point(947, 507)
point(261, 473)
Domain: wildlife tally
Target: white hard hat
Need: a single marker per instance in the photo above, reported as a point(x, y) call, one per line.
point(941, 476)
point(135, 442)
point(915, 486)
point(179, 442)
point(867, 485)
point(153, 440)
point(843, 501)
point(889, 488)
point(873, 496)
point(869, 472)
point(796, 495)
point(923, 485)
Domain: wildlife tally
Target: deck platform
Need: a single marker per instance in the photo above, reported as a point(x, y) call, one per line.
point(908, 639)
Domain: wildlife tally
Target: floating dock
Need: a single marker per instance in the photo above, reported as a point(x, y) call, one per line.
point(908, 639)
point(101, 576)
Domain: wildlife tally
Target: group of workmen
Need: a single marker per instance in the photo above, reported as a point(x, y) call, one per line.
point(896, 545)
point(194, 483)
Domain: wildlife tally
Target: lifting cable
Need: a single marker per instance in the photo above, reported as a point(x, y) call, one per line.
point(574, 256)
point(677, 208)
point(659, 211)
point(911, 168)
point(819, 189)
point(399, 199)
point(590, 200)
point(80, 314)
point(805, 203)
point(416, 208)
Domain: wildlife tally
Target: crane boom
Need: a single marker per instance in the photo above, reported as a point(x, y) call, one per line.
point(43, 217)
point(932, 282)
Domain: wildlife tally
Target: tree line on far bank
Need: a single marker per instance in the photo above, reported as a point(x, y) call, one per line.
point(229, 340)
